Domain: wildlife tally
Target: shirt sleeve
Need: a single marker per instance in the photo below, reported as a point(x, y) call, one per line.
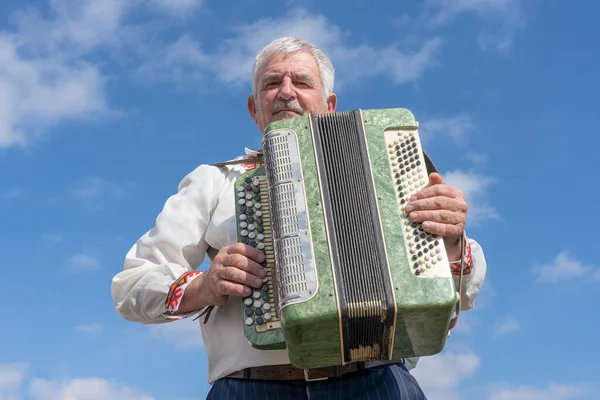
point(176, 245)
point(473, 274)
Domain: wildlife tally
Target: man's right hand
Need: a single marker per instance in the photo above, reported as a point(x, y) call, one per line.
point(234, 272)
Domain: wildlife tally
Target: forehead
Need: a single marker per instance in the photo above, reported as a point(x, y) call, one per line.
point(299, 63)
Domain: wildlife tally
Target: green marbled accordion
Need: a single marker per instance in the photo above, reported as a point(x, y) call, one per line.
point(350, 277)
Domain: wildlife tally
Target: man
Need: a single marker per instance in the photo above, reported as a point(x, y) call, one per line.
point(160, 283)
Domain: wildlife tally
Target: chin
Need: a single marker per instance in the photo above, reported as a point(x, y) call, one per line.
point(284, 115)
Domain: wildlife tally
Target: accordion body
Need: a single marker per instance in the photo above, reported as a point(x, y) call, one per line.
point(350, 278)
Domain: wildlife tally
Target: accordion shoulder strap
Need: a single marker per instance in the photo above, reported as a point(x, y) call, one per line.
point(429, 164)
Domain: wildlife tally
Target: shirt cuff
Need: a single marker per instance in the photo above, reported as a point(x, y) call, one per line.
point(173, 300)
point(467, 259)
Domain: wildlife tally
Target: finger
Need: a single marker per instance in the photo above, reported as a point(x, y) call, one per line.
point(248, 251)
point(227, 288)
point(236, 275)
point(244, 263)
point(435, 179)
point(436, 190)
point(441, 216)
point(436, 203)
point(438, 228)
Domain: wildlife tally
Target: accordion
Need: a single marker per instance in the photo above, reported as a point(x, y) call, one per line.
point(350, 278)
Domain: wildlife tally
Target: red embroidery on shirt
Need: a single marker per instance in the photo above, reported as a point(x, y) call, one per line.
point(176, 291)
point(468, 259)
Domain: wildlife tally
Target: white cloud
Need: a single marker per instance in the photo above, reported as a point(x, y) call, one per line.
point(474, 187)
point(83, 389)
point(232, 62)
point(11, 379)
point(37, 92)
point(182, 333)
point(564, 266)
point(50, 72)
point(506, 326)
point(440, 375)
point(82, 263)
point(94, 328)
point(552, 392)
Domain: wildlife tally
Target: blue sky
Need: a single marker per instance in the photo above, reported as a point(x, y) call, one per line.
point(105, 105)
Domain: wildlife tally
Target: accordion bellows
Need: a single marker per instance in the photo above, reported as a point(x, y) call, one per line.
point(350, 278)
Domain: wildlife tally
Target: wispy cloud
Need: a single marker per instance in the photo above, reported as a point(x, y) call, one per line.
point(180, 8)
point(51, 240)
point(505, 326)
point(183, 333)
point(563, 267)
point(84, 388)
point(456, 127)
point(96, 192)
point(82, 263)
point(94, 328)
point(553, 391)
point(440, 375)
point(232, 63)
point(501, 19)
point(12, 193)
point(474, 187)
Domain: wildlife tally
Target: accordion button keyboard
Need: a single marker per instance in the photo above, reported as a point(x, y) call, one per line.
point(254, 228)
point(407, 167)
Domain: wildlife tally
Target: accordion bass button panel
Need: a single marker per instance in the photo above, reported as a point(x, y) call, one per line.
point(426, 251)
point(254, 229)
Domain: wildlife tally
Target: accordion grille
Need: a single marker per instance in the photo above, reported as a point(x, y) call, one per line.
point(295, 273)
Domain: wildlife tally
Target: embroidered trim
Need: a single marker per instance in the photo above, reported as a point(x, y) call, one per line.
point(255, 164)
point(177, 288)
point(467, 260)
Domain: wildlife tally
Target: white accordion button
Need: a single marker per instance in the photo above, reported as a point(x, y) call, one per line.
point(249, 321)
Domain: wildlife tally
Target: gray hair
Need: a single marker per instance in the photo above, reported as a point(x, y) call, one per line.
point(289, 45)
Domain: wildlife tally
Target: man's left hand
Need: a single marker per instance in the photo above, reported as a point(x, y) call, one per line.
point(442, 210)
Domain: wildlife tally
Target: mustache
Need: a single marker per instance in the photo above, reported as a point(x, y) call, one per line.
point(287, 105)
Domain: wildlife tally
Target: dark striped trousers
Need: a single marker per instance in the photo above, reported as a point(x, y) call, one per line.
point(392, 381)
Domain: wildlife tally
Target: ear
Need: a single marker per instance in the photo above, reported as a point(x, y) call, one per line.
point(252, 108)
point(332, 103)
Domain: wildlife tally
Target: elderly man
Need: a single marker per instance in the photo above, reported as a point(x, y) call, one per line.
point(160, 282)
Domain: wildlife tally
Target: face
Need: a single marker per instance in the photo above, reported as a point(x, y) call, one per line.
point(288, 86)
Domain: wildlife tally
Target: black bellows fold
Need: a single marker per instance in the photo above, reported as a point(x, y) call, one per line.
point(353, 227)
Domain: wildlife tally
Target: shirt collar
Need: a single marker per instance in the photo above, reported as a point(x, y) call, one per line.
point(252, 153)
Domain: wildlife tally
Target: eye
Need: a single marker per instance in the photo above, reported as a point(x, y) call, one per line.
point(271, 84)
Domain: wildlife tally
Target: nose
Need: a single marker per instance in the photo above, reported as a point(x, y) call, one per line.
point(286, 90)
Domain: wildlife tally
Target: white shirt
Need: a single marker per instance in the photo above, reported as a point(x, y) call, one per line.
point(201, 215)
